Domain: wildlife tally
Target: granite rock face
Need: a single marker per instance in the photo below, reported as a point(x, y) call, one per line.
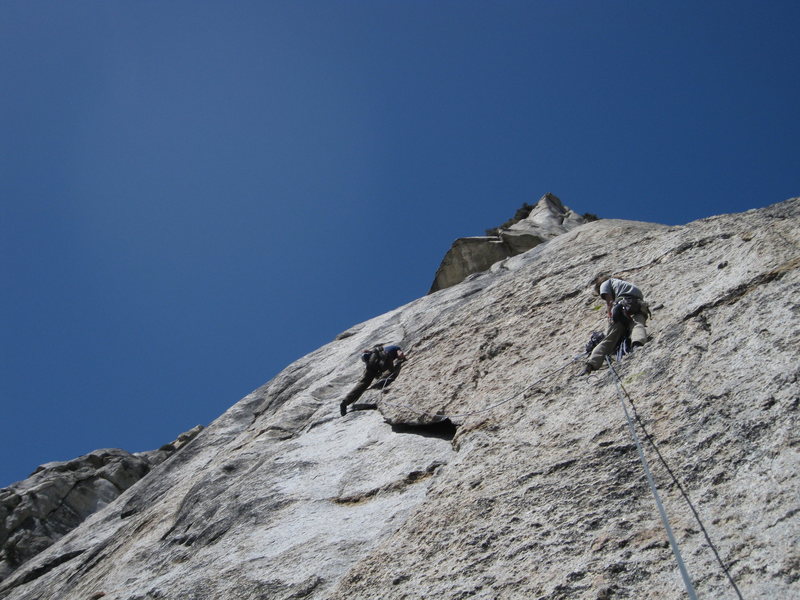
point(58, 496)
point(469, 255)
point(548, 219)
point(492, 469)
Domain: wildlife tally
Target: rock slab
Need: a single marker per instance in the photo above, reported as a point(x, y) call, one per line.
point(58, 496)
point(538, 493)
point(469, 255)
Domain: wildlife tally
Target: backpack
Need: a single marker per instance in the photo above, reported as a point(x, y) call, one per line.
point(375, 358)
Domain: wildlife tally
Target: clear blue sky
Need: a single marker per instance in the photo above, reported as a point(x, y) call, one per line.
point(193, 194)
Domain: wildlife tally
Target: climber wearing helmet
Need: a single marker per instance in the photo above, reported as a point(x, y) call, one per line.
point(627, 317)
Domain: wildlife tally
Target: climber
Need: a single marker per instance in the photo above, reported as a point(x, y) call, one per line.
point(379, 360)
point(627, 316)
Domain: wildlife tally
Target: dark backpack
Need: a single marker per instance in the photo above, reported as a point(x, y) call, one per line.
point(375, 358)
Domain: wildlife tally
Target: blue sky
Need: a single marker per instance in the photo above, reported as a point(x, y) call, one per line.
point(194, 194)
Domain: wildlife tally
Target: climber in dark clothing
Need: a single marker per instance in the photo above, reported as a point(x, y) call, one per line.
point(379, 360)
point(627, 317)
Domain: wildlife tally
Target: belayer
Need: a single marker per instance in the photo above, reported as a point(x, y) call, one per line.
point(627, 316)
point(378, 360)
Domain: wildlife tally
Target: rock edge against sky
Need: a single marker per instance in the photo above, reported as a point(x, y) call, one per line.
point(541, 496)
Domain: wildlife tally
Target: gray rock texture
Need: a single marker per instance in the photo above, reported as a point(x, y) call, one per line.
point(538, 493)
point(58, 496)
point(548, 219)
point(470, 255)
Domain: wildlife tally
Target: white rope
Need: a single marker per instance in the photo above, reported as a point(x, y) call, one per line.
point(687, 581)
point(618, 383)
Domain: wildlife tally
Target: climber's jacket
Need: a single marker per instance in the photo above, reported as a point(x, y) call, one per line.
point(617, 288)
point(627, 299)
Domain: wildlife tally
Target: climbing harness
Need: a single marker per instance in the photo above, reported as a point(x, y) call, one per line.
point(624, 308)
point(673, 543)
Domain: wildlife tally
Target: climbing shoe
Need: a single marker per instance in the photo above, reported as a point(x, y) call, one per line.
point(587, 369)
point(343, 408)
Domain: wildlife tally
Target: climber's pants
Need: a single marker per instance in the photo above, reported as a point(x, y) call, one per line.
point(361, 386)
point(616, 330)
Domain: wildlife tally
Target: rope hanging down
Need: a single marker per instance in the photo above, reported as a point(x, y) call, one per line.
point(620, 390)
point(679, 487)
point(687, 581)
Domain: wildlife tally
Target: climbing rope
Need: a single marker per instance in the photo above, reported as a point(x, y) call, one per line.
point(439, 417)
point(621, 390)
point(664, 519)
